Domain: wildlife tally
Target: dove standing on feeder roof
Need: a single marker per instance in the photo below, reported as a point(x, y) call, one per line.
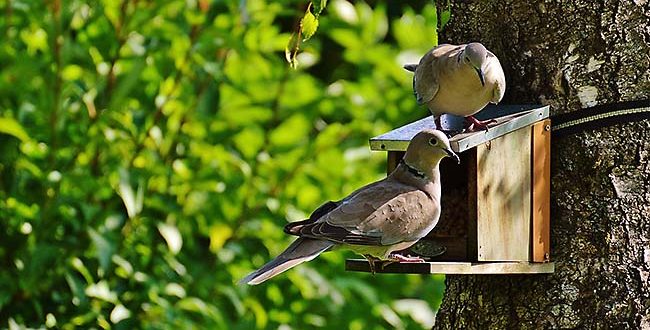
point(458, 80)
point(376, 220)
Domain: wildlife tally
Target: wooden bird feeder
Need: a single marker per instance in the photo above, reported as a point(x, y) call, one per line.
point(495, 215)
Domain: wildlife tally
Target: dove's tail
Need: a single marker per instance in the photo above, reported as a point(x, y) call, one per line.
point(410, 67)
point(301, 250)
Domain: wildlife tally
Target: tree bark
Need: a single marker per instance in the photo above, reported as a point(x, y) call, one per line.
point(571, 54)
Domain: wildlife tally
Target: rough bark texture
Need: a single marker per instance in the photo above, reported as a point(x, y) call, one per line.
point(571, 54)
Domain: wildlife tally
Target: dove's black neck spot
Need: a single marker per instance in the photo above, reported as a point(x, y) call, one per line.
point(412, 169)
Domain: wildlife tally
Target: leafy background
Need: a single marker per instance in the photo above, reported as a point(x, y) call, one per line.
point(151, 151)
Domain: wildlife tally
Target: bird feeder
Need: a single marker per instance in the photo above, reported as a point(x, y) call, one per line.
point(495, 215)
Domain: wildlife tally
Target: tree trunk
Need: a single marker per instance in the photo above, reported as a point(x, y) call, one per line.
point(571, 54)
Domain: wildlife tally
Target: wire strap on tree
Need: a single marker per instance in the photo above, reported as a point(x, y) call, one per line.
point(600, 116)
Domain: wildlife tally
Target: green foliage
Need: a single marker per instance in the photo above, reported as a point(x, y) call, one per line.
point(151, 151)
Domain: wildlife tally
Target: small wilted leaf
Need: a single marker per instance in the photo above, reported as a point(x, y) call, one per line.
point(291, 51)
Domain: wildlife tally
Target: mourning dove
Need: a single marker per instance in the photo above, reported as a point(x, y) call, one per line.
point(380, 218)
point(458, 80)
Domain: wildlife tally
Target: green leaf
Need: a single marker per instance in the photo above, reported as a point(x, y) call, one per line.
point(119, 313)
point(249, 141)
point(292, 131)
point(71, 72)
point(308, 25)
point(319, 6)
point(104, 248)
point(12, 127)
point(77, 289)
point(172, 236)
point(445, 16)
point(219, 234)
point(101, 290)
point(132, 201)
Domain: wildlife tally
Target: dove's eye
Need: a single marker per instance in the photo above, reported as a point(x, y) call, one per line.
point(433, 142)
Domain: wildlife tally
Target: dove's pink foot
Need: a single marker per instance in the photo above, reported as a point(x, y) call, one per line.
point(474, 125)
point(400, 258)
point(394, 257)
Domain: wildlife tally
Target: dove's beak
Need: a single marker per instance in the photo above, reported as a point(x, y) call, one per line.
point(480, 75)
point(452, 155)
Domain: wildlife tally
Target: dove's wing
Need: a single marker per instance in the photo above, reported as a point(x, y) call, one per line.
point(293, 228)
point(494, 72)
point(382, 214)
point(433, 65)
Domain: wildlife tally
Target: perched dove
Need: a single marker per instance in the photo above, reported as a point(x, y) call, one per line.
point(382, 217)
point(458, 80)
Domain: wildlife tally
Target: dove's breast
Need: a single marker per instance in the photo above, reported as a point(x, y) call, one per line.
point(458, 95)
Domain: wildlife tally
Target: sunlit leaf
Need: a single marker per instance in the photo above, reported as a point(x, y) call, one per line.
point(175, 289)
point(345, 11)
point(72, 72)
point(132, 201)
point(308, 25)
point(261, 317)
point(101, 291)
point(35, 38)
point(219, 234)
point(172, 236)
point(418, 310)
point(291, 131)
point(119, 313)
point(389, 315)
point(12, 127)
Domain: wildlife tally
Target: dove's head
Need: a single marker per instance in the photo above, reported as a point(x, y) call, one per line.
point(475, 55)
point(427, 148)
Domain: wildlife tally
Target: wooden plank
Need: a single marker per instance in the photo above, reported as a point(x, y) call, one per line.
point(484, 268)
point(504, 125)
point(393, 160)
point(541, 196)
point(503, 197)
point(472, 205)
point(509, 118)
point(454, 248)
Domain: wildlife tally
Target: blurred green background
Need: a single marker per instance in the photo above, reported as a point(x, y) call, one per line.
point(152, 151)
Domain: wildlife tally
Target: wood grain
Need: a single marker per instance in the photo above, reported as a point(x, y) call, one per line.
point(541, 196)
point(503, 197)
point(393, 160)
point(361, 265)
